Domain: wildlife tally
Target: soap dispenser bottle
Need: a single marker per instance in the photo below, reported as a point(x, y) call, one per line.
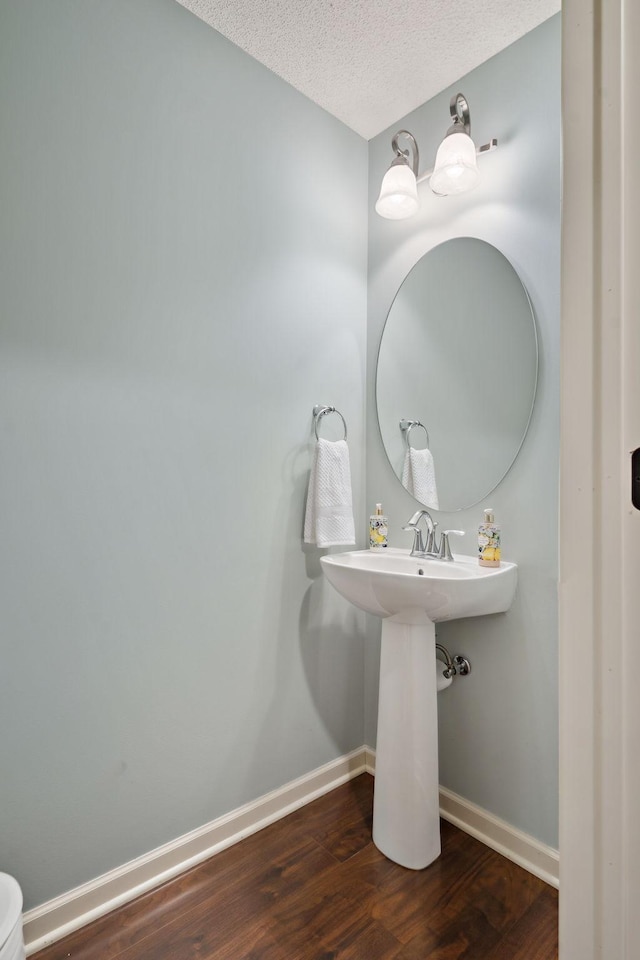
point(378, 529)
point(489, 541)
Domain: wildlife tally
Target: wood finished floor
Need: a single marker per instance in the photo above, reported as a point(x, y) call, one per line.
point(314, 887)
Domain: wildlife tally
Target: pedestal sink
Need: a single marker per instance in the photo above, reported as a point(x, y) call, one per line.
point(411, 595)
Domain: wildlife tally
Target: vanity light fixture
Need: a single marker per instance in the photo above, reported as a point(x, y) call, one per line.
point(455, 170)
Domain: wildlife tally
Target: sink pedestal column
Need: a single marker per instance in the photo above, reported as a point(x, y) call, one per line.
point(406, 812)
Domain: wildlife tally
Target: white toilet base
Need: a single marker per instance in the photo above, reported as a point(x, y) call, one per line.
point(13, 948)
point(11, 942)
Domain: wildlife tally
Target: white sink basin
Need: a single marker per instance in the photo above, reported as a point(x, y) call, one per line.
point(412, 595)
point(389, 582)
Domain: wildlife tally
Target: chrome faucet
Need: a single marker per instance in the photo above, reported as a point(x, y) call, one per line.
point(420, 546)
point(430, 547)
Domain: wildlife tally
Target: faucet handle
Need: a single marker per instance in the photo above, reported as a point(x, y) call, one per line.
point(418, 544)
point(445, 549)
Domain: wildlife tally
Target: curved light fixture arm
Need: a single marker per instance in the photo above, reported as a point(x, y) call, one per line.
point(402, 156)
point(459, 110)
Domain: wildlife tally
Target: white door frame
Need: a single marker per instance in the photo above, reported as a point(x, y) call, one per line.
point(599, 529)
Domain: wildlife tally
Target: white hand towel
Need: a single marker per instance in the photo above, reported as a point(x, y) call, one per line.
point(419, 477)
point(328, 519)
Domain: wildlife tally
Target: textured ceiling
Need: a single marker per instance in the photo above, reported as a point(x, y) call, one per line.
point(369, 62)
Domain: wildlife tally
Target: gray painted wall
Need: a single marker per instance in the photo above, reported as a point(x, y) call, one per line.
point(179, 284)
point(171, 308)
point(498, 727)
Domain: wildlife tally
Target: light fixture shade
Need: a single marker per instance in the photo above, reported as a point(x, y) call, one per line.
point(456, 169)
point(398, 193)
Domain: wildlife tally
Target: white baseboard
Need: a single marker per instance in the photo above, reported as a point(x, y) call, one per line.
point(369, 760)
point(535, 857)
point(55, 919)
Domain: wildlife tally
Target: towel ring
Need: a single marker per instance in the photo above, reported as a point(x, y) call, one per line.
point(320, 411)
point(407, 426)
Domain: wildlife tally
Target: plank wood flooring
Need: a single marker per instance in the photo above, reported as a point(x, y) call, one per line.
point(314, 887)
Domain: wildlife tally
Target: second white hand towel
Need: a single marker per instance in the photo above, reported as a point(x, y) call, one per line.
point(328, 520)
point(419, 477)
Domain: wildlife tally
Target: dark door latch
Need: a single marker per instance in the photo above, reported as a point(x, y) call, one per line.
point(635, 478)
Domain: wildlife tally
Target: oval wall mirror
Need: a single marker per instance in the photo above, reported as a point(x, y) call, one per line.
point(457, 373)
